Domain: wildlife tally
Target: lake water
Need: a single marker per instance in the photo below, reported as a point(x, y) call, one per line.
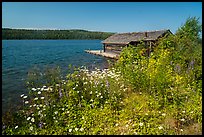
point(20, 56)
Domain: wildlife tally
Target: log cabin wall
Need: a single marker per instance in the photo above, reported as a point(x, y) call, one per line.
point(116, 48)
point(117, 42)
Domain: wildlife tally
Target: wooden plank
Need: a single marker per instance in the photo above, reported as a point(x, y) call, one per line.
point(104, 54)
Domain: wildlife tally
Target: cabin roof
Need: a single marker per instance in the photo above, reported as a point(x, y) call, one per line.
point(126, 38)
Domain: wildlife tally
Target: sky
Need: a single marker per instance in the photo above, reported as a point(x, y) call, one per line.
point(99, 16)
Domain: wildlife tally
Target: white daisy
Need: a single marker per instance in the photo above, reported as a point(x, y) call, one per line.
point(184, 111)
point(32, 120)
point(81, 129)
point(46, 89)
point(160, 127)
point(31, 128)
point(28, 118)
point(22, 95)
point(33, 89)
point(26, 102)
point(182, 119)
point(141, 124)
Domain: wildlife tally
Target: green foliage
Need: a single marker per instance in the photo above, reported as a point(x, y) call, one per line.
point(172, 75)
point(133, 65)
point(190, 30)
point(53, 34)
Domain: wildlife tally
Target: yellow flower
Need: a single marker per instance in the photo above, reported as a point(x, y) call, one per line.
point(178, 79)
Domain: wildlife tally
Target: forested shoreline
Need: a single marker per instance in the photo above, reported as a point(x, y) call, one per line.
point(8, 33)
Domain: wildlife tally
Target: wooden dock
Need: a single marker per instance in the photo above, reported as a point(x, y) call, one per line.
point(104, 54)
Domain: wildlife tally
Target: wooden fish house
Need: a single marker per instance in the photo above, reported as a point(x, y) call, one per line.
point(118, 41)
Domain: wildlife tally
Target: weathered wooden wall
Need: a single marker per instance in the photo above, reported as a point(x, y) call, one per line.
point(114, 48)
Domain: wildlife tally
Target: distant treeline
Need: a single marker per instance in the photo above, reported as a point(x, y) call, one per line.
point(8, 33)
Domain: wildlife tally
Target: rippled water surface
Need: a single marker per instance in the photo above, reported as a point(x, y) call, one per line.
point(20, 56)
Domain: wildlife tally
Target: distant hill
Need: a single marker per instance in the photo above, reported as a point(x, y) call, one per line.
point(8, 33)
